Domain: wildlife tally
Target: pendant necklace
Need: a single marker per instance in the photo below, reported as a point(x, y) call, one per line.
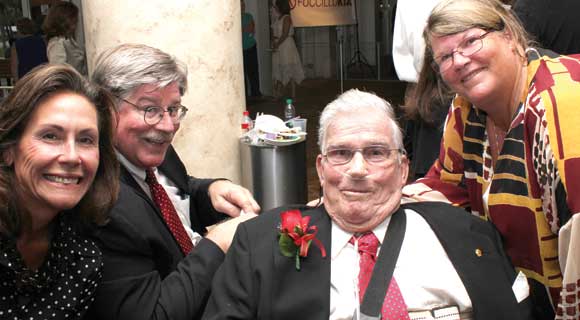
point(496, 138)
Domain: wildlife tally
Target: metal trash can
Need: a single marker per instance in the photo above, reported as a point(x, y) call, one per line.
point(276, 175)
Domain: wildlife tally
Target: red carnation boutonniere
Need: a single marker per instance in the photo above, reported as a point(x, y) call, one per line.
point(296, 236)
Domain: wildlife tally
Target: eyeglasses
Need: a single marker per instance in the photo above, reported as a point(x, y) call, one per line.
point(152, 115)
point(371, 154)
point(466, 48)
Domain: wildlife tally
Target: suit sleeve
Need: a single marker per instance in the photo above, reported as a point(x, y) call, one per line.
point(233, 290)
point(134, 288)
point(199, 191)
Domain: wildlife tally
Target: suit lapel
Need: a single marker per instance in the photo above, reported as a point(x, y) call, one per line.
point(304, 293)
point(174, 169)
point(127, 178)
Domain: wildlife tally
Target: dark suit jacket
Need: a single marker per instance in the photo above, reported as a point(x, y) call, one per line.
point(146, 276)
point(257, 282)
point(553, 24)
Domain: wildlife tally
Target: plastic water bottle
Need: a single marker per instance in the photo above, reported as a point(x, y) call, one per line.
point(289, 111)
point(246, 122)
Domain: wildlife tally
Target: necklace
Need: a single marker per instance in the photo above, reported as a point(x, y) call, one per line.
point(496, 137)
point(495, 134)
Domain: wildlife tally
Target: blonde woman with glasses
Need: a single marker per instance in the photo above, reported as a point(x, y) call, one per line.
point(510, 146)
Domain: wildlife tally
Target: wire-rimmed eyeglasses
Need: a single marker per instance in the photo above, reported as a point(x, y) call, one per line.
point(152, 115)
point(466, 48)
point(371, 154)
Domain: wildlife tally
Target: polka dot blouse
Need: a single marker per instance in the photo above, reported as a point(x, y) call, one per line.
point(62, 288)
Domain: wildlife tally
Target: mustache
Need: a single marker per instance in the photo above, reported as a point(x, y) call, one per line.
point(158, 136)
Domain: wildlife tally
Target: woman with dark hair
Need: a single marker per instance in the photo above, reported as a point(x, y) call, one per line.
point(58, 177)
point(59, 27)
point(510, 149)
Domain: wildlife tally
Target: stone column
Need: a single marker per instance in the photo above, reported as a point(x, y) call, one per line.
point(206, 35)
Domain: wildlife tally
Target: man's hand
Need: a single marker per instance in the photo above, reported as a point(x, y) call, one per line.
point(230, 198)
point(222, 234)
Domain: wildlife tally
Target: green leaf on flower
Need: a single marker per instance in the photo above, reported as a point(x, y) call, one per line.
point(287, 246)
point(297, 262)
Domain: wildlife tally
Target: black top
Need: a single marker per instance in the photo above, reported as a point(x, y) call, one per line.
point(62, 288)
point(554, 24)
point(31, 51)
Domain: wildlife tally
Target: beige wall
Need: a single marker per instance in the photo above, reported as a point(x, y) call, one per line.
point(205, 34)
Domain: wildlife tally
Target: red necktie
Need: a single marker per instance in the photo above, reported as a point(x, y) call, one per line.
point(394, 307)
point(168, 212)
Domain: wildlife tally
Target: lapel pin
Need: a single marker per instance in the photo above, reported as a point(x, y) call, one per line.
point(478, 252)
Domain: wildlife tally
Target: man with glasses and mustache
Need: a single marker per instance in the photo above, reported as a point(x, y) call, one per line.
point(447, 264)
point(157, 263)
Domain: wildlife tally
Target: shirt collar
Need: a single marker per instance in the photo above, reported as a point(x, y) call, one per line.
point(341, 238)
point(135, 171)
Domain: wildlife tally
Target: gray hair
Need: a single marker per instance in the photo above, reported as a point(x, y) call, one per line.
point(357, 101)
point(126, 67)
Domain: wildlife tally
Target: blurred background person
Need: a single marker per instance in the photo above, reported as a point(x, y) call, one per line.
point(510, 150)
point(251, 69)
point(422, 131)
point(59, 28)
point(28, 50)
point(287, 68)
point(58, 175)
point(554, 24)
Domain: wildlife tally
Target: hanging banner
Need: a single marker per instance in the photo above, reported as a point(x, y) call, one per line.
point(316, 13)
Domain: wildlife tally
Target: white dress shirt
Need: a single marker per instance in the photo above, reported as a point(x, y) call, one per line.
point(424, 273)
point(180, 201)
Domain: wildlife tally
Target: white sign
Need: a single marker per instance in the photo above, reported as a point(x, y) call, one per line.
point(314, 13)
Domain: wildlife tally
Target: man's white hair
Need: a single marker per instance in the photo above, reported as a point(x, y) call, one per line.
point(355, 100)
